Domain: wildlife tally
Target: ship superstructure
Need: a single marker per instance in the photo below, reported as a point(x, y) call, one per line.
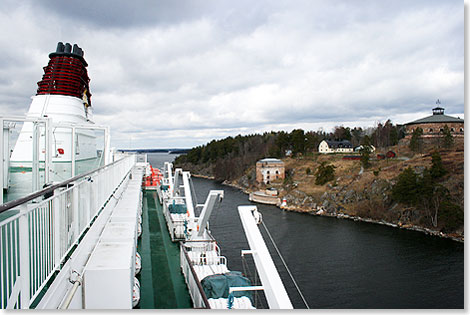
point(63, 97)
point(73, 243)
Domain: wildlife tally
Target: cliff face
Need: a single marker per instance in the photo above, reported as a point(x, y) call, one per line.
point(361, 193)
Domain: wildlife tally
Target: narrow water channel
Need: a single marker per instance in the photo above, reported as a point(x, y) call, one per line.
point(345, 264)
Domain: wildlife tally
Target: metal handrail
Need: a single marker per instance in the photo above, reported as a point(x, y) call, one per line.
point(193, 272)
point(14, 203)
point(35, 241)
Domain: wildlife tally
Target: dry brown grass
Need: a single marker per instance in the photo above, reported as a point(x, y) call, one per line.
point(347, 171)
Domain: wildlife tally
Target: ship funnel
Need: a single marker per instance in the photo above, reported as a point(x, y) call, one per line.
point(60, 47)
point(76, 50)
point(66, 73)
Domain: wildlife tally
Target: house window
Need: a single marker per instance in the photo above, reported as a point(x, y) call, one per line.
point(461, 129)
point(267, 173)
point(452, 129)
point(441, 130)
point(277, 172)
point(430, 130)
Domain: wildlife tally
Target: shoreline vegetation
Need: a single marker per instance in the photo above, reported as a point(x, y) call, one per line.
point(321, 212)
point(420, 187)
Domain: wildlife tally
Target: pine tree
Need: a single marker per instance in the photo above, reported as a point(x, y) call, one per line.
point(365, 156)
point(325, 173)
point(298, 141)
point(406, 188)
point(448, 139)
point(437, 169)
point(415, 142)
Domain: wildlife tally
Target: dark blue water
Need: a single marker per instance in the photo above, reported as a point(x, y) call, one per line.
point(342, 263)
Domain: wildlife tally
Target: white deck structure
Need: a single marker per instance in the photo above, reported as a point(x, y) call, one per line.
point(200, 256)
point(78, 239)
point(73, 243)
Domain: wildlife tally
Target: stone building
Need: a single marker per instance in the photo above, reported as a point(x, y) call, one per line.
point(269, 169)
point(434, 125)
point(330, 146)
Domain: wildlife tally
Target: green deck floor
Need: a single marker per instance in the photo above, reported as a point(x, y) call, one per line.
point(161, 281)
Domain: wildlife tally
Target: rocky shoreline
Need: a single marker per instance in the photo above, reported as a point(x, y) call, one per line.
point(320, 212)
point(381, 222)
point(203, 176)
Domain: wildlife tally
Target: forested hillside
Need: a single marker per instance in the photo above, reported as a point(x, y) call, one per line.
point(228, 158)
point(420, 189)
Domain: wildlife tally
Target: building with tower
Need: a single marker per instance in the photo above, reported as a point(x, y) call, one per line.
point(433, 125)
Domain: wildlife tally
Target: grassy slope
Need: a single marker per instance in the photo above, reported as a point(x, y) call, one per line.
point(347, 172)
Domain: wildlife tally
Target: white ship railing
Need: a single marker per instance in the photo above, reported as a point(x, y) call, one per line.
point(194, 286)
point(40, 234)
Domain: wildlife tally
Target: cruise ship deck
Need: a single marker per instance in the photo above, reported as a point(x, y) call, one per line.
point(162, 283)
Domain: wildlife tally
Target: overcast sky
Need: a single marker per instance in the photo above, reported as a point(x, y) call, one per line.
point(181, 73)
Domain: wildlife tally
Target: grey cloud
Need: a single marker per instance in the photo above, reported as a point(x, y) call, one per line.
point(232, 16)
point(109, 13)
point(183, 72)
